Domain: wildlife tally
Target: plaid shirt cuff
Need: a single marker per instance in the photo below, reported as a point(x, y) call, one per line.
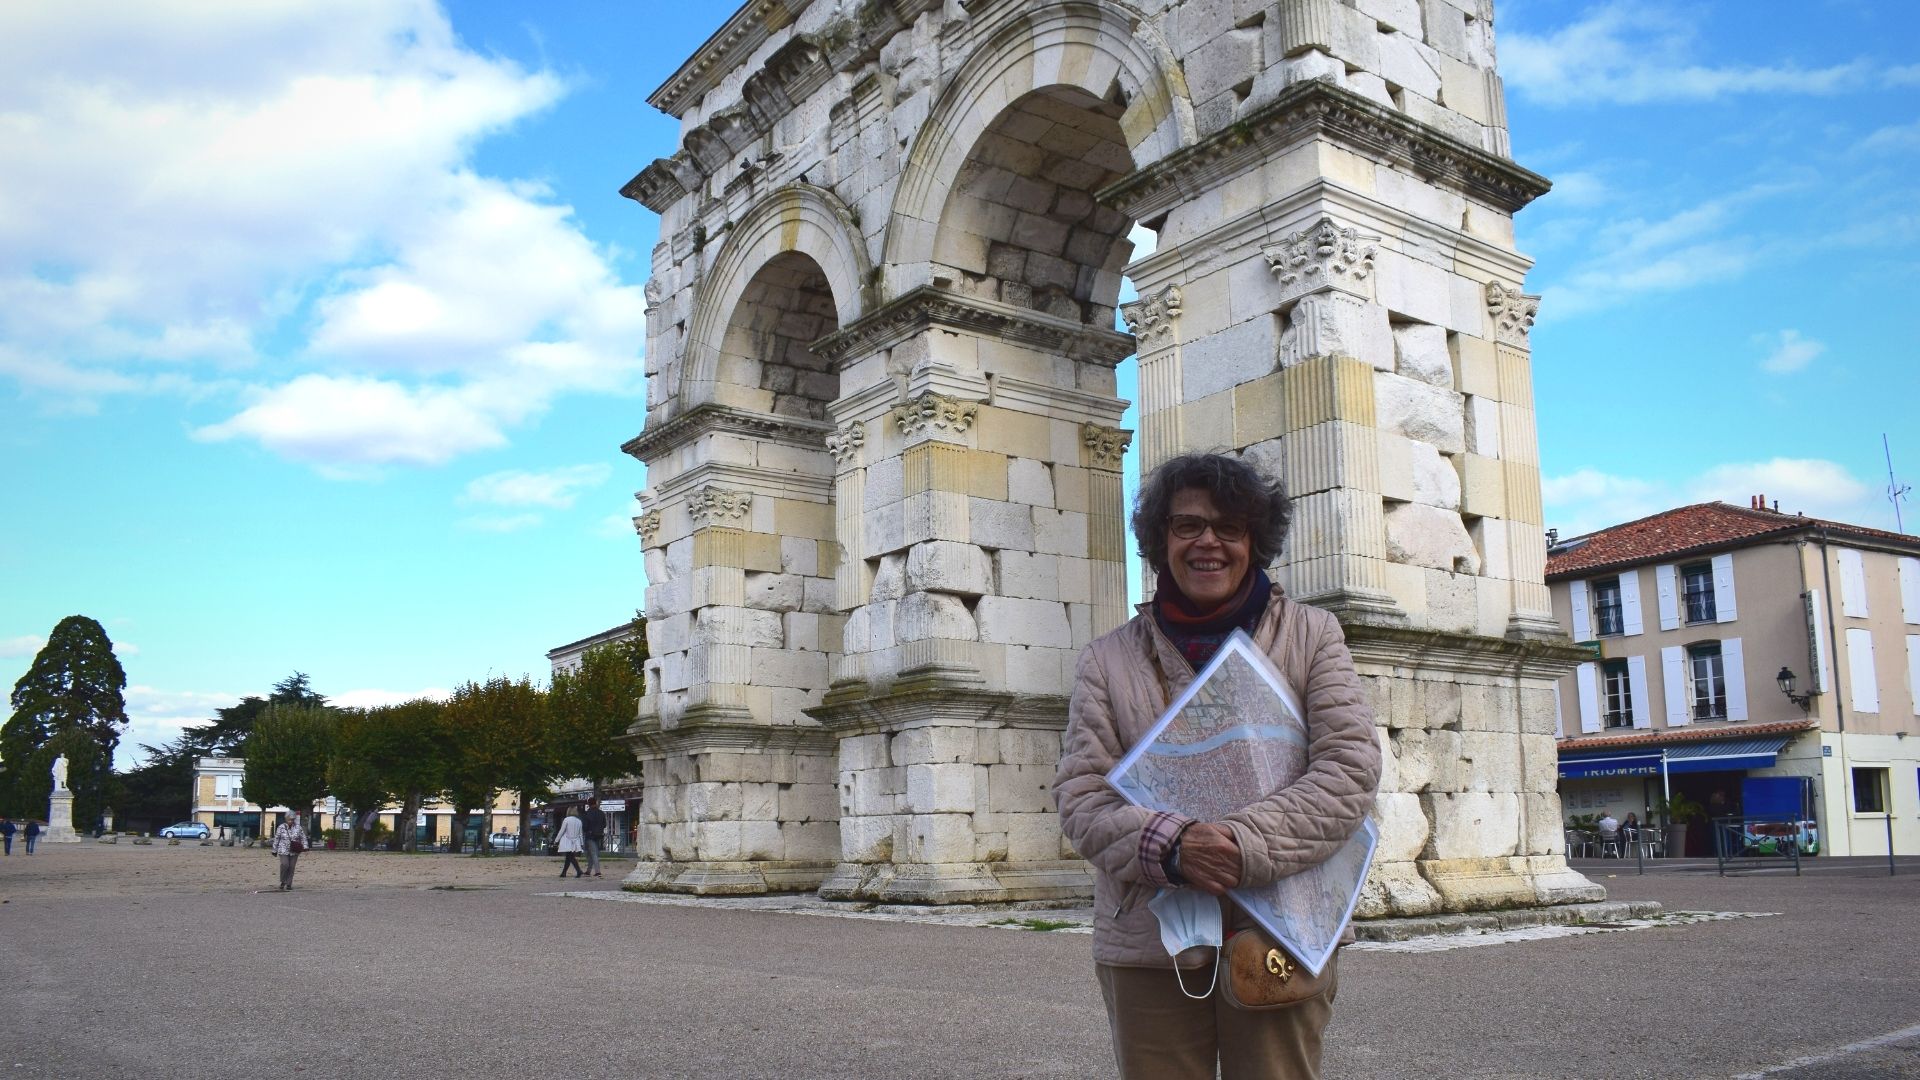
point(1156, 840)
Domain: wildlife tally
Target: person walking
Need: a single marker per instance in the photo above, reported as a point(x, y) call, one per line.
point(289, 840)
point(6, 834)
point(569, 842)
point(31, 834)
point(1208, 524)
point(593, 827)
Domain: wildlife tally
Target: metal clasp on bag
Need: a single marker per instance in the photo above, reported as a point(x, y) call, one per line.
point(1279, 964)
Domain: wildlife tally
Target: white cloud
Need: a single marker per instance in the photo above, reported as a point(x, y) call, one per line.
point(156, 717)
point(1578, 189)
point(558, 488)
point(193, 193)
point(368, 698)
point(1631, 54)
point(1892, 137)
point(125, 648)
point(499, 523)
point(1588, 499)
point(1791, 352)
point(24, 645)
point(1904, 75)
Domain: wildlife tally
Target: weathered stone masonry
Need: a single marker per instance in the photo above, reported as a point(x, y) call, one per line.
point(884, 511)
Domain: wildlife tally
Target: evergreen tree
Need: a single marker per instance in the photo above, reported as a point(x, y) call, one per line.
point(71, 701)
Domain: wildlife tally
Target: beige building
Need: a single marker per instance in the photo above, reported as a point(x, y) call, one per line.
point(219, 804)
point(1760, 663)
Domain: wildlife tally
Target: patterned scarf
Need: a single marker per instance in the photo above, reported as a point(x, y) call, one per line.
point(1199, 634)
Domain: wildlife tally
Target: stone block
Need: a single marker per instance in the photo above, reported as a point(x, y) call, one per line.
point(1036, 670)
point(922, 616)
point(1420, 411)
point(738, 626)
point(870, 792)
point(1420, 352)
point(1408, 62)
point(1482, 431)
point(1396, 466)
point(1034, 838)
point(789, 667)
point(1336, 324)
point(1453, 601)
point(932, 745)
point(886, 483)
point(714, 802)
point(1403, 824)
point(998, 525)
point(1414, 290)
point(1070, 488)
point(1483, 488)
point(1492, 760)
point(890, 577)
point(1473, 824)
point(1017, 789)
point(867, 839)
point(1476, 366)
point(1013, 621)
point(1059, 532)
point(801, 630)
point(1421, 535)
point(1024, 574)
point(1075, 580)
point(1400, 15)
point(939, 838)
point(861, 752)
point(949, 567)
point(800, 555)
point(940, 789)
point(1030, 482)
point(1489, 536)
point(987, 475)
point(1238, 354)
point(1435, 482)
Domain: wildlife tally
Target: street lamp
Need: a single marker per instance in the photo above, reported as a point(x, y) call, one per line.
point(1786, 680)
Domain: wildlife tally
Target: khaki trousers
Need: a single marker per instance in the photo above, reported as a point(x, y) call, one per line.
point(1161, 1034)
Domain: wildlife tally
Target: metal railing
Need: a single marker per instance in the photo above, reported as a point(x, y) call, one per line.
point(1755, 843)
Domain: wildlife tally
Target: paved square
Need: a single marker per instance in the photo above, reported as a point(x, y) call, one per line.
point(124, 961)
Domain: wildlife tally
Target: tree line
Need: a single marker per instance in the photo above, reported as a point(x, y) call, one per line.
point(490, 736)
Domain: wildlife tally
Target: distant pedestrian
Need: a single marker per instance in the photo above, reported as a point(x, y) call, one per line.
point(289, 840)
point(32, 834)
point(593, 824)
point(570, 842)
point(6, 834)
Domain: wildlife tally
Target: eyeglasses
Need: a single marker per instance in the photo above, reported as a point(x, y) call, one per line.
point(1190, 526)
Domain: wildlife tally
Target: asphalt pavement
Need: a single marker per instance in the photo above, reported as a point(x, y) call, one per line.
point(515, 981)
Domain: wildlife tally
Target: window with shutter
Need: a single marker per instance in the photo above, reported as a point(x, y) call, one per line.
point(1723, 605)
point(1696, 586)
point(1606, 608)
point(1866, 687)
point(1853, 584)
point(1708, 676)
point(1666, 582)
point(1673, 681)
point(1616, 694)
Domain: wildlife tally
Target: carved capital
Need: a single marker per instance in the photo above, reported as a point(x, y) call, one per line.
point(711, 505)
point(931, 412)
point(1105, 445)
point(1512, 312)
point(648, 526)
point(1151, 319)
point(845, 444)
point(656, 294)
point(1322, 256)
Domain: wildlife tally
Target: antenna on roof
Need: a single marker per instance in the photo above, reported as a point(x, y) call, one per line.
point(1895, 489)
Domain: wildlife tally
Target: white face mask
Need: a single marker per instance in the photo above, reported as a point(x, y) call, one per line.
point(1189, 919)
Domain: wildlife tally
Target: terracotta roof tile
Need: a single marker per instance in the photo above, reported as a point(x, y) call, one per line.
point(1685, 735)
point(1688, 529)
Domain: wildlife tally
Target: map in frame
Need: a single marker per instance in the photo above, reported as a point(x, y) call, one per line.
point(1235, 736)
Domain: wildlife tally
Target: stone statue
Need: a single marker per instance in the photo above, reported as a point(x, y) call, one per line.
point(60, 773)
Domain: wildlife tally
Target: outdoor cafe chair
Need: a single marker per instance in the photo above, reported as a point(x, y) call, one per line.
point(1579, 843)
point(1610, 842)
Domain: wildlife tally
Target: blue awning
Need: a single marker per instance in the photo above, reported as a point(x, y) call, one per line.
point(1614, 763)
point(1724, 755)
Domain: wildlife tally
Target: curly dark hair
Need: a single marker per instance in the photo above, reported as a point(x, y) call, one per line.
point(1229, 482)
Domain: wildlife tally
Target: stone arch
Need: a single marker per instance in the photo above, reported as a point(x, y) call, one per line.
point(797, 224)
point(1088, 50)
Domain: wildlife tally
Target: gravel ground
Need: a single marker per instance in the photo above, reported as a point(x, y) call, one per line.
point(125, 961)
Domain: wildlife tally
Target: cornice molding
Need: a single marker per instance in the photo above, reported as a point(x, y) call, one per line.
point(710, 419)
point(1311, 109)
point(927, 305)
point(728, 48)
point(698, 733)
point(1405, 651)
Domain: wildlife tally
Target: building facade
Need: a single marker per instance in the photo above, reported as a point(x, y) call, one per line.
point(1697, 617)
point(620, 799)
point(219, 804)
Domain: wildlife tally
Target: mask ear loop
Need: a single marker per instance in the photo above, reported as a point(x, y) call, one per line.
point(1180, 977)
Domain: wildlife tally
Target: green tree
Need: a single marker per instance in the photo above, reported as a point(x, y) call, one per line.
point(355, 773)
point(499, 743)
point(71, 700)
point(287, 756)
point(592, 706)
point(410, 744)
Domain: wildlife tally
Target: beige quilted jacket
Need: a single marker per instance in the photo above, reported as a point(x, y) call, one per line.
point(1118, 694)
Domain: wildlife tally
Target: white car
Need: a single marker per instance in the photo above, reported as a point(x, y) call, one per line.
point(504, 841)
point(186, 830)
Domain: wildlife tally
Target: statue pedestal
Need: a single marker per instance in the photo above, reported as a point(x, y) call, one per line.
point(60, 820)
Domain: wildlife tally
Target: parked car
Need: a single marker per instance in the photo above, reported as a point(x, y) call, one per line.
point(186, 830)
point(504, 841)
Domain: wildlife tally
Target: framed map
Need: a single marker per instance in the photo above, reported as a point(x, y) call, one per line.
point(1237, 735)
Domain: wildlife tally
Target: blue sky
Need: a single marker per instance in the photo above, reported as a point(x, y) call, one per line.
point(320, 321)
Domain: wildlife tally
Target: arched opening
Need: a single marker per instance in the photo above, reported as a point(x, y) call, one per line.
point(766, 350)
point(1020, 224)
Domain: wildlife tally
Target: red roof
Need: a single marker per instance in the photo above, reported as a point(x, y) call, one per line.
point(1685, 735)
point(1689, 529)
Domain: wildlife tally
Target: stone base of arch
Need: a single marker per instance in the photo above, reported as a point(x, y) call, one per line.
point(959, 883)
point(720, 878)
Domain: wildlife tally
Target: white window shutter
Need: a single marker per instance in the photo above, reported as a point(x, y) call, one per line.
point(1853, 585)
point(1577, 600)
point(1866, 686)
point(1630, 623)
point(1910, 589)
point(1913, 672)
point(1589, 698)
point(1723, 588)
point(1666, 580)
point(1673, 673)
point(1822, 659)
point(1733, 664)
point(1637, 685)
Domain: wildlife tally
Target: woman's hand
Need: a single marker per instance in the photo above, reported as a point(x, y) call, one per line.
point(1210, 857)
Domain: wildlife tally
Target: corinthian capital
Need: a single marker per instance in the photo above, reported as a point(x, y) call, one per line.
point(711, 505)
point(1512, 312)
point(648, 526)
point(936, 413)
point(1322, 256)
point(1151, 319)
point(845, 444)
point(1105, 445)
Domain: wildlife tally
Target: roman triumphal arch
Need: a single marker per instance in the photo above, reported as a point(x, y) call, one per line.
point(883, 507)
